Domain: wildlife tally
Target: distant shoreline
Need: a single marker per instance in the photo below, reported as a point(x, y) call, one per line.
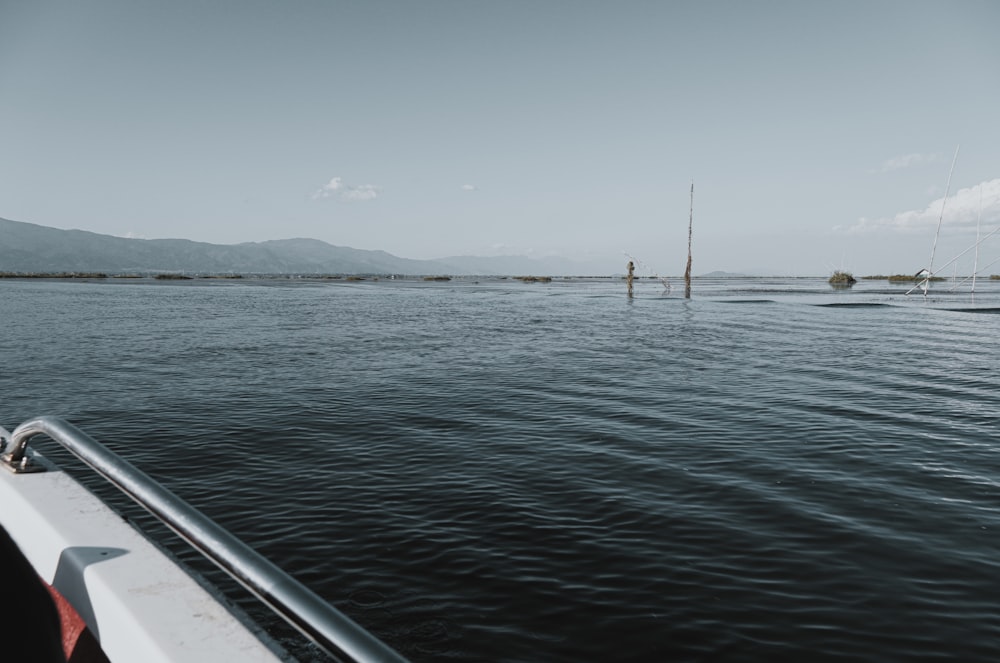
point(181, 276)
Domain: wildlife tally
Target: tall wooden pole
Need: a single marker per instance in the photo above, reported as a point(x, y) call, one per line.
point(687, 270)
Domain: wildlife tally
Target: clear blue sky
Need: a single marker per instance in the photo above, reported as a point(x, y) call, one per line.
point(818, 135)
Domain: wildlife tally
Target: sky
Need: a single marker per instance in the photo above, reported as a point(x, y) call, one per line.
point(817, 135)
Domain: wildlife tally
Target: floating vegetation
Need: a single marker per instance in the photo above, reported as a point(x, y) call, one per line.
point(842, 279)
point(437, 278)
point(534, 279)
point(900, 278)
point(906, 278)
point(53, 275)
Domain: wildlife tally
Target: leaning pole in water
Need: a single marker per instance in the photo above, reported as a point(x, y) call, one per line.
point(925, 283)
point(947, 190)
point(687, 270)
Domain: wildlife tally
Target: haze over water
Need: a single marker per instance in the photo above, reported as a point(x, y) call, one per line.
point(507, 471)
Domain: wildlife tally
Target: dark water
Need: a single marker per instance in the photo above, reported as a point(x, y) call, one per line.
point(500, 471)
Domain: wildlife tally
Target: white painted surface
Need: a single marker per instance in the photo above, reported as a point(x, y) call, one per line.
point(143, 607)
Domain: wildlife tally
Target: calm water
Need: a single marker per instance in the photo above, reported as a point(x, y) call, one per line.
point(500, 471)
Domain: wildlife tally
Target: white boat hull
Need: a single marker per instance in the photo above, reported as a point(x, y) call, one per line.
point(137, 602)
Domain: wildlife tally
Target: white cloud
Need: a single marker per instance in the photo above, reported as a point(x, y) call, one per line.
point(906, 161)
point(336, 188)
point(469, 187)
point(961, 211)
point(360, 192)
point(328, 189)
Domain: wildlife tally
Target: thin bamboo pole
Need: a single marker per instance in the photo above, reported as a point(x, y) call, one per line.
point(979, 221)
point(947, 190)
point(976, 246)
point(687, 270)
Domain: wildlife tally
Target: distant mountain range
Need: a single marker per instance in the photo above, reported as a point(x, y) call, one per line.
point(27, 247)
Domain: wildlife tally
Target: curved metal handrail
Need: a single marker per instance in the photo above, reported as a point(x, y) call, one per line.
point(299, 606)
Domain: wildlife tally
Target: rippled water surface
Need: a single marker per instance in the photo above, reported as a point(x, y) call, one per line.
point(507, 471)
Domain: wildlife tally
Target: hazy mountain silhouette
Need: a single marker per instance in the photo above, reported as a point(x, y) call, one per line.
point(27, 247)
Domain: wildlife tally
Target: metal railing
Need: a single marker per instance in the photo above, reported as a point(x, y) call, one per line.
point(299, 606)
